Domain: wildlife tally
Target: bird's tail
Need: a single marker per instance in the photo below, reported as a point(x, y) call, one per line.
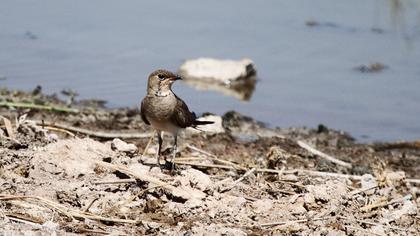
point(202, 122)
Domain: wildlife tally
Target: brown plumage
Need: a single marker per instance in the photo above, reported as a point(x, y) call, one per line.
point(165, 111)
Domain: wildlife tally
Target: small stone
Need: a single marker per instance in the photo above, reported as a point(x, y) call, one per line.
point(368, 181)
point(121, 146)
point(51, 226)
point(196, 179)
point(193, 203)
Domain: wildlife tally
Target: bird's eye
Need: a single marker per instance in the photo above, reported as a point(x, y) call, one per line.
point(161, 77)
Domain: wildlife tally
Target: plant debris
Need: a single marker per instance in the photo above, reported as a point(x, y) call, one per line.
point(248, 179)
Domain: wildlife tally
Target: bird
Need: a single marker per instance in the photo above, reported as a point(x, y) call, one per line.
point(165, 111)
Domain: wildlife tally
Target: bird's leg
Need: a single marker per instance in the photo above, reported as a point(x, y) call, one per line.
point(174, 151)
point(160, 140)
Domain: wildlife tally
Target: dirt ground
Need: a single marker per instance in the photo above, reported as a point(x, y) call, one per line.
point(88, 171)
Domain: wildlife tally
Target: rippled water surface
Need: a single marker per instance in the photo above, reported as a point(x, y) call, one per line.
point(106, 49)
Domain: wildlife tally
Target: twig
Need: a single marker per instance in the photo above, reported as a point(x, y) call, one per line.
point(214, 157)
point(47, 202)
point(292, 171)
point(413, 181)
point(236, 182)
point(397, 145)
point(376, 224)
point(290, 221)
point(60, 130)
point(329, 174)
point(146, 178)
point(204, 165)
point(24, 221)
point(90, 204)
point(9, 128)
point(148, 144)
point(137, 195)
point(118, 181)
point(362, 230)
point(200, 151)
point(65, 210)
point(357, 191)
point(97, 134)
point(38, 107)
point(382, 204)
point(92, 231)
point(290, 183)
point(323, 155)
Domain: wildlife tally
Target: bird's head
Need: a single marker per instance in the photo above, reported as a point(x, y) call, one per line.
point(160, 81)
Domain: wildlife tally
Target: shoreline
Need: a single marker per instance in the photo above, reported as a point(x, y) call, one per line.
point(96, 169)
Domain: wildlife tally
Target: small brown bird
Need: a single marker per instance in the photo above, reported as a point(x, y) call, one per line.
point(165, 111)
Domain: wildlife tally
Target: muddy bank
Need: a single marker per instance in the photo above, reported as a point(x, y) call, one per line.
point(62, 171)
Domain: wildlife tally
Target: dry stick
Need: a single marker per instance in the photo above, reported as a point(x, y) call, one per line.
point(65, 210)
point(376, 224)
point(38, 107)
point(13, 218)
point(362, 230)
point(290, 183)
point(357, 191)
point(204, 165)
point(90, 204)
point(201, 151)
point(52, 204)
point(290, 221)
point(144, 177)
point(239, 180)
point(148, 144)
point(214, 157)
point(329, 174)
point(413, 181)
point(94, 231)
point(292, 171)
point(323, 155)
point(9, 128)
point(118, 181)
point(382, 204)
point(137, 195)
point(97, 134)
point(60, 130)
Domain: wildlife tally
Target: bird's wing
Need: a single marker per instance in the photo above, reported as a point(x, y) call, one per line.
point(142, 112)
point(182, 115)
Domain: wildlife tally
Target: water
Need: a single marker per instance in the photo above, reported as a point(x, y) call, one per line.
point(106, 49)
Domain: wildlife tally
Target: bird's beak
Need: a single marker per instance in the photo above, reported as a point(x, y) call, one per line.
point(176, 78)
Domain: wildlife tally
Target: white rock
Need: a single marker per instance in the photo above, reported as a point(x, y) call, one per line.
point(195, 178)
point(51, 226)
point(221, 71)
point(119, 145)
point(409, 208)
point(262, 205)
point(368, 181)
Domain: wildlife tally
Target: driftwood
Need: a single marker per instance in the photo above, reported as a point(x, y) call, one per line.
point(64, 210)
point(291, 171)
point(38, 107)
point(179, 192)
point(96, 134)
point(238, 180)
point(323, 155)
point(397, 145)
point(386, 203)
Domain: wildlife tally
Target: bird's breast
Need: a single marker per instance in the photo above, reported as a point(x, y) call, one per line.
point(159, 112)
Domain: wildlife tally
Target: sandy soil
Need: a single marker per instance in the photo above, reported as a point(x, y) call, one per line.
point(247, 180)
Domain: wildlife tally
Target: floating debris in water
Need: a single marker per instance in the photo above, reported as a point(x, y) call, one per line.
point(30, 35)
point(372, 68)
